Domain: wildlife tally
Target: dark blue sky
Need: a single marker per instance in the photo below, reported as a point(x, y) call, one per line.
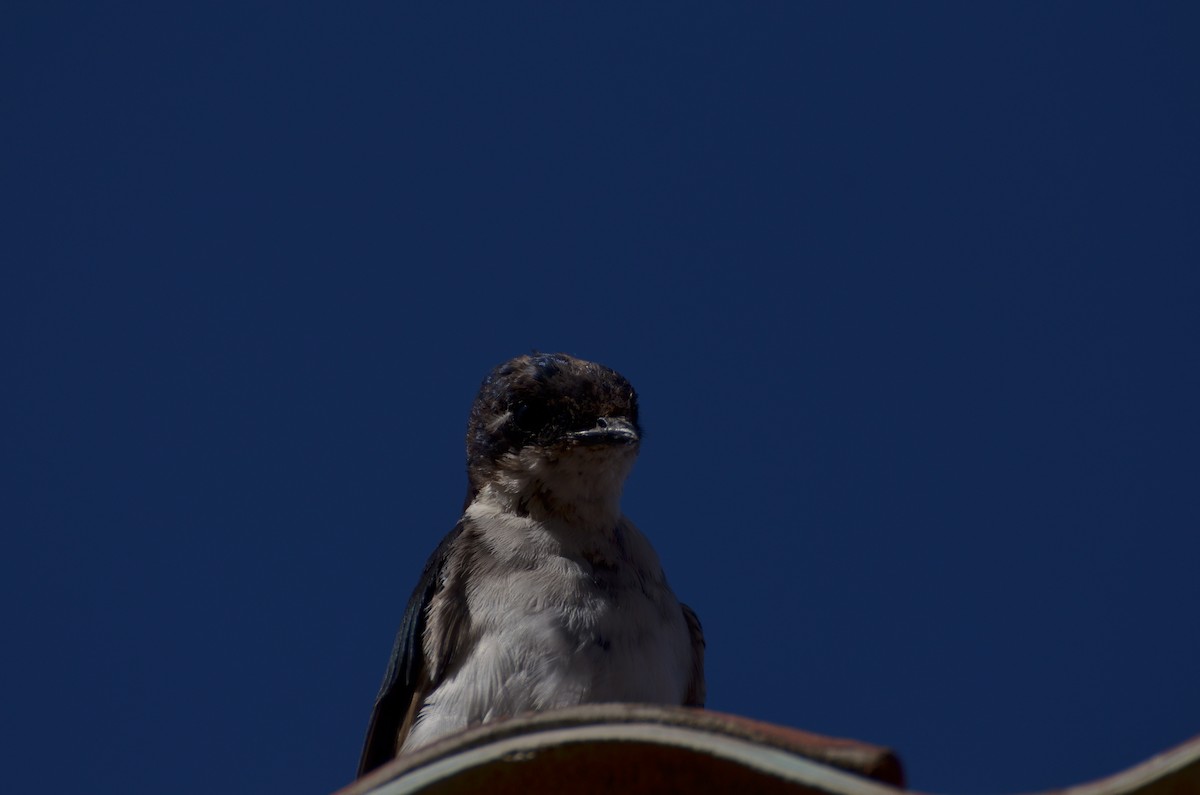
point(910, 293)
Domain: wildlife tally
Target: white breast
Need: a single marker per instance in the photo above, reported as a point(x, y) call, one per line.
point(556, 630)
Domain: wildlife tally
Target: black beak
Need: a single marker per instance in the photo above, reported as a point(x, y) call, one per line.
point(608, 430)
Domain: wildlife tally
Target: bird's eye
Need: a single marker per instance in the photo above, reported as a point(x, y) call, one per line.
point(529, 417)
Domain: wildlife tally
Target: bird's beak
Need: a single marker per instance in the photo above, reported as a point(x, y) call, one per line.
point(608, 430)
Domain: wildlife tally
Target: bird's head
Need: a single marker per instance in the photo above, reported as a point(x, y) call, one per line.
point(555, 428)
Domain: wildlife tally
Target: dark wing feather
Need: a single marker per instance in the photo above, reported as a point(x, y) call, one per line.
point(697, 690)
point(407, 674)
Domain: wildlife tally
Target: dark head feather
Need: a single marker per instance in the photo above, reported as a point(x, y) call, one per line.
point(539, 400)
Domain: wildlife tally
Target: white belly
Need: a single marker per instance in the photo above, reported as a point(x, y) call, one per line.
point(553, 637)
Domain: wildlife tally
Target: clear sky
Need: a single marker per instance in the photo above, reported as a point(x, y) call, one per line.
point(911, 294)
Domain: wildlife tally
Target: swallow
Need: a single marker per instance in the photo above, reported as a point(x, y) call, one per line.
point(544, 595)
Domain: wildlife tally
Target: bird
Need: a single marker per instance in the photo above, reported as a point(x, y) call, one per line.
point(544, 595)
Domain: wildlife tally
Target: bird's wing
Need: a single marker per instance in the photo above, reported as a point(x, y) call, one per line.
point(409, 675)
point(696, 691)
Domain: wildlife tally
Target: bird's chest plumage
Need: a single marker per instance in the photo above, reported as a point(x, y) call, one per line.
point(568, 633)
point(552, 630)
